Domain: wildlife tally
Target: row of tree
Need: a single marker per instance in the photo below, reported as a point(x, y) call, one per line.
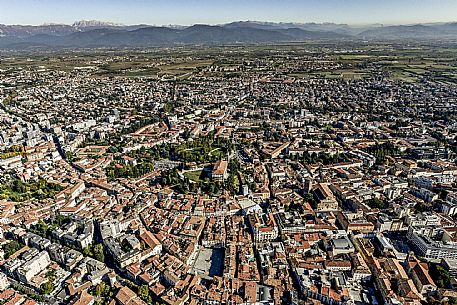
point(381, 151)
point(11, 248)
point(96, 251)
point(204, 149)
point(18, 191)
point(12, 151)
point(321, 157)
point(203, 185)
point(129, 171)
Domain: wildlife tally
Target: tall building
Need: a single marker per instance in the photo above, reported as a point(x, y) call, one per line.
point(432, 243)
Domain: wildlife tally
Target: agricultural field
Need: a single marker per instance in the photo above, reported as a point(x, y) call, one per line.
point(329, 61)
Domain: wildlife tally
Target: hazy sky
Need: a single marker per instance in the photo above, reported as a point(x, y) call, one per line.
point(185, 12)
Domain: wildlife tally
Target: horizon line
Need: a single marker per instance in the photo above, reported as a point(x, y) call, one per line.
point(115, 23)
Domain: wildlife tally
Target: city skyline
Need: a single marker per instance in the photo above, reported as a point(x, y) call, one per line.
point(353, 12)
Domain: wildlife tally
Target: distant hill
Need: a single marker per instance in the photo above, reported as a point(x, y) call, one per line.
point(95, 24)
point(88, 34)
point(317, 27)
point(87, 25)
point(22, 31)
point(412, 32)
point(113, 36)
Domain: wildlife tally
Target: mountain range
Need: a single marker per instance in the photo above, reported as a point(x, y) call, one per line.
point(93, 34)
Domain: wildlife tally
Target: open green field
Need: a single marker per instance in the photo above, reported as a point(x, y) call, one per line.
point(351, 61)
point(146, 69)
point(194, 175)
point(201, 154)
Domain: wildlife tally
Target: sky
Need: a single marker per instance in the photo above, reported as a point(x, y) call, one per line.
point(187, 12)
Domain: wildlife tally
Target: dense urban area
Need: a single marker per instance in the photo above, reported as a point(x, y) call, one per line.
point(306, 173)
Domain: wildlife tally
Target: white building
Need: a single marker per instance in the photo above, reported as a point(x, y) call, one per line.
point(426, 245)
point(263, 226)
point(4, 283)
point(424, 219)
point(34, 266)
